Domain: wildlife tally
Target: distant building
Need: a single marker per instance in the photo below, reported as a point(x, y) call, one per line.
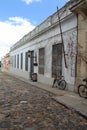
point(2, 64)
point(43, 51)
point(5, 63)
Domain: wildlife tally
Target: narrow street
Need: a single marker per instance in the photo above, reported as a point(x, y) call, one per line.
point(26, 107)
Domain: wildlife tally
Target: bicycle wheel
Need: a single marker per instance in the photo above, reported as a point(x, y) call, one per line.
point(55, 83)
point(82, 91)
point(62, 84)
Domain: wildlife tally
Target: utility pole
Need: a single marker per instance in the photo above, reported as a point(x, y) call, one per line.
point(61, 36)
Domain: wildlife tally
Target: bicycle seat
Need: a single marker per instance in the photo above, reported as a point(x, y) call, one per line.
point(85, 80)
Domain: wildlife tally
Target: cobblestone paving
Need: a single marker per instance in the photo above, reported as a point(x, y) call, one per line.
point(26, 107)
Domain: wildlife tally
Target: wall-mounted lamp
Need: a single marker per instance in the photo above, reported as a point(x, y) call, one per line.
point(29, 53)
point(35, 57)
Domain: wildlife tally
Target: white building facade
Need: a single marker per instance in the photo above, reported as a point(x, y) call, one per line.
point(48, 52)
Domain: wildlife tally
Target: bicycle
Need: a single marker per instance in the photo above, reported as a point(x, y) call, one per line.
point(82, 89)
point(59, 82)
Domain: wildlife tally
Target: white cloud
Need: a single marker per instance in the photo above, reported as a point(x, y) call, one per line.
point(30, 1)
point(11, 31)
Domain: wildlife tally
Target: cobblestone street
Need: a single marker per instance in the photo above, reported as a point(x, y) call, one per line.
point(26, 107)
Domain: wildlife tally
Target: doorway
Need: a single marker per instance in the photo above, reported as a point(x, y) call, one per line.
point(31, 64)
point(57, 60)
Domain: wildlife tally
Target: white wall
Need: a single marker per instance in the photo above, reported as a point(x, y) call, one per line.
point(50, 37)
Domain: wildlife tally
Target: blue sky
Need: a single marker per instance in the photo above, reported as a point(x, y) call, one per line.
point(18, 17)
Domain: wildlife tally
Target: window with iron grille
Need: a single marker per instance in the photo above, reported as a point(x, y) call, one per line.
point(26, 61)
point(15, 61)
point(21, 61)
point(18, 61)
point(57, 60)
point(11, 60)
point(41, 60)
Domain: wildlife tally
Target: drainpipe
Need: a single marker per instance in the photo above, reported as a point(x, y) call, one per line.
point(76, 63)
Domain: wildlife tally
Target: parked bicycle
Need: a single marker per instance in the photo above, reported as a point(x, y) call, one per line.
point(59, 82)
point(82, 89)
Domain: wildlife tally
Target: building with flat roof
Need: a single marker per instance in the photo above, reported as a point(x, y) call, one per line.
point(49, 49)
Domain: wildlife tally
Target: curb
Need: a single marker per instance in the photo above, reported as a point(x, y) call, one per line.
point(70, 107)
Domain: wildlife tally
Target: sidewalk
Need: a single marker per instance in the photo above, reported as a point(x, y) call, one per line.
point(66, 98)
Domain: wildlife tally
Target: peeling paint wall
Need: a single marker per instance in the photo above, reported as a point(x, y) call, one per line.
point(82, 50)
point(46, 35)
point(70, 52)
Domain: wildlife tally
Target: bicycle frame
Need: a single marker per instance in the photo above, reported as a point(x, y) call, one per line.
point(85, 83)
point(59, 82)
point(82, 89)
